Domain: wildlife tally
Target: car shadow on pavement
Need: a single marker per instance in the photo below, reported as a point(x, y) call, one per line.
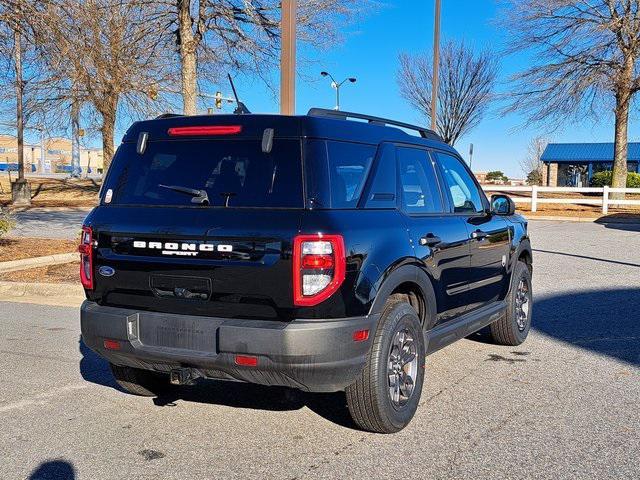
point(606, 322)
point(331, 406)
point(54, 470)
point(94, 368)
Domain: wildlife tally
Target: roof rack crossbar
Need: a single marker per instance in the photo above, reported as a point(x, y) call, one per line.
point(338, 114)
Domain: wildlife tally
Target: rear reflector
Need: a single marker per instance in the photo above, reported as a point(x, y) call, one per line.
point(246, 360)
point(111, 344)
point(204, 130)
point(360, 335)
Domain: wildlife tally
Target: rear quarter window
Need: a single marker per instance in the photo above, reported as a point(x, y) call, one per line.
point(336, 172)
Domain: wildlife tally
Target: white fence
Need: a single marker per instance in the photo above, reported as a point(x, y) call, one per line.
point(534, 200)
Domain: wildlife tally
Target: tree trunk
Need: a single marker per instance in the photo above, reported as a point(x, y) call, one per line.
point(75, 137)
point(108, 129)
point(20, 190)
point(188, 61)
point(620, 149)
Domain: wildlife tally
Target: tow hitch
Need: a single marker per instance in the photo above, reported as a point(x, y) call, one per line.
point(183, 376)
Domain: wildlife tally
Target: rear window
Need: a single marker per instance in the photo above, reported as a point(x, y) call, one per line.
point(233, 173)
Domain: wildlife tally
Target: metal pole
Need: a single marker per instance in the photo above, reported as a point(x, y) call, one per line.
point(337, 97)
point(436, 66)
point(288, 58)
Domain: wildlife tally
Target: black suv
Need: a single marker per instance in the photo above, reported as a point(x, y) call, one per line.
point(325, 252)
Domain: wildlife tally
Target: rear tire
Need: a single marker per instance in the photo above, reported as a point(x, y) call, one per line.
point(512, 329)
point(386, 395)
point(144, 383)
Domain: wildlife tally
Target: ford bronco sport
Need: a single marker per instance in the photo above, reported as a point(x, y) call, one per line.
point(325, 252)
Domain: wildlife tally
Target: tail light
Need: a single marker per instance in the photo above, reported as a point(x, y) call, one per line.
point(86, 258)
point(319, 267)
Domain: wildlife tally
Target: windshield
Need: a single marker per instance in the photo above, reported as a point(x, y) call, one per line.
point(232, 173)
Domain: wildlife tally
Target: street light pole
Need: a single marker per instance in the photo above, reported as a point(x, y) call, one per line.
point(436, 66)
point(288, 58)
point(337, 85)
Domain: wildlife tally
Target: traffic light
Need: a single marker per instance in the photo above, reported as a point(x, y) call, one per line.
point(218, 97)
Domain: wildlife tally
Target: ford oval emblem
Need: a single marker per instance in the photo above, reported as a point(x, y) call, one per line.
point(106, 271)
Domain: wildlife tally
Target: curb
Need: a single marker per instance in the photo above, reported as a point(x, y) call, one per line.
point(63, 294)
point(45, 261)
point(601, 220)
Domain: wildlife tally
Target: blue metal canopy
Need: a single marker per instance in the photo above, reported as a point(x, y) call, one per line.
point(586, 152)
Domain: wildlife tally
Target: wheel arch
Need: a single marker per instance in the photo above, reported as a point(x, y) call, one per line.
point(415, 283)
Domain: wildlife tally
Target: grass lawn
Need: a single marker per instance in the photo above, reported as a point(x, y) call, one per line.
point(65, 273)
point(54, 192)
point(20, 248)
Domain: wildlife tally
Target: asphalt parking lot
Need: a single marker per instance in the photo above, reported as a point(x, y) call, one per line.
point(562, 405)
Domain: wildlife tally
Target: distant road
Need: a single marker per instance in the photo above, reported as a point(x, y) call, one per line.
point(49, 222)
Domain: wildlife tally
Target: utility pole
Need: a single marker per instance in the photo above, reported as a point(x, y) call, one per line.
point(436, 66)
point(288, 58)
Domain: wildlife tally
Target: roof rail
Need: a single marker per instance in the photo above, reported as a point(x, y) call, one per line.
point(340, 115)
point(168, 115)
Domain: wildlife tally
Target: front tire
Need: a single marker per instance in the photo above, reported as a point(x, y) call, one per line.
point(512, 329)
point(385, 397)
point(136, 381)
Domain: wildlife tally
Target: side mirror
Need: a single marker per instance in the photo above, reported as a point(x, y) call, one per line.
point(502, 205)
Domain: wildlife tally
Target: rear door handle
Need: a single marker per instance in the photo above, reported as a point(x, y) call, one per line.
point(430, 240)
point(479, 235)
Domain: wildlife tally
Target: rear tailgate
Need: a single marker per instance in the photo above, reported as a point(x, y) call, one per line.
point(216, 262)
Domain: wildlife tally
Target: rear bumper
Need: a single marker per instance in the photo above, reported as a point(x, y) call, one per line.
point(312, 355)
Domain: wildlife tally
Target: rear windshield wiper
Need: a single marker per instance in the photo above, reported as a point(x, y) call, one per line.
point(199, 196)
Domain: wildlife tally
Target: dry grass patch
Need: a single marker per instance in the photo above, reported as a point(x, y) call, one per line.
point(54, 192)
point(21, 248)
point(65, 273)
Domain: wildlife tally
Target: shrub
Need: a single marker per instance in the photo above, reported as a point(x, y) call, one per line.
point(6, 223)
point(600, 179)
point(534, 177)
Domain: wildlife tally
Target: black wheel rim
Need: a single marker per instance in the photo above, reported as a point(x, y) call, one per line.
point(402, 368)
point(523, 304)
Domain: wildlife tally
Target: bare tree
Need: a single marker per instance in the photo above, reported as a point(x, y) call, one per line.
point(109, 54)
point(213, 36)
point(585, 57)
point(465, 90)
point(532, 164)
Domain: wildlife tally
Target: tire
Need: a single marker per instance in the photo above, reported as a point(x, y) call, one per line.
point(512, 329)
point(144, 383)
point(369, 399)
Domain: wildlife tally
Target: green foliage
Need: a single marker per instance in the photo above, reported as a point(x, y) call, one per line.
point(534, 177)
point(6, 223)
point(600, 179)
point(496, 175)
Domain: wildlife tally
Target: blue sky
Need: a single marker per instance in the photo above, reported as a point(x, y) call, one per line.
point(370, 53)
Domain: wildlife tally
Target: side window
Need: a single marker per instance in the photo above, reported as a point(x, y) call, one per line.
point(349, 165)
point(419, 187)
point(464, 192)
point(382, 193)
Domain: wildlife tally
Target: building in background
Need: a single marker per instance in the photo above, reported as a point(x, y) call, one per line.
point(54, 156)
point(573, 164)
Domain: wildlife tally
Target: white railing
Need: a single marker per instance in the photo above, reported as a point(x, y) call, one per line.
point(534, 200)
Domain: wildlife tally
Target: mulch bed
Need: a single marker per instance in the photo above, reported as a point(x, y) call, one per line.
point(21, 248)
point(65, 273)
